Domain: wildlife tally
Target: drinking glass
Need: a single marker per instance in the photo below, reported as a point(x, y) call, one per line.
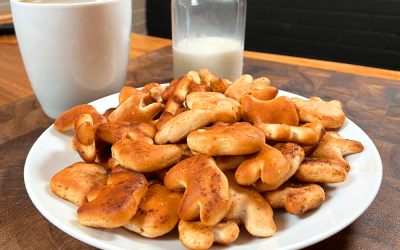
point(208, 34)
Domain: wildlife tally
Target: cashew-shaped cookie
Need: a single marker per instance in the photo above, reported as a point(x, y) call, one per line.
point(134, 109)
point(330, 114)
point(332, 148)
point(156, 93)
point(265, 94)
point(181, 125)
point(112, 132)
point(74, 182)
point(314, 170)
point(84, 130)
point(195, 235)
point(279, 110)
point(267, 164)
point(274, 165)
point(144, 157)
point(178, 94)
point(205, 76)
point(245, 85)
point(238, 139)
point(296, 197)
point(217, 85)
point(294, 155)
point(207, 191)
point(157, 213)
point(114, 204)
point(241, 82)
point(249, 206)
point(127, 91)
point(194, 87)
point(308, 134)
point(67, 119)
point(85, 138)
point(225, 109)
point(195, 76)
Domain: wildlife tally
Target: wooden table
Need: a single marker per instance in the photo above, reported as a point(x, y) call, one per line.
point(371, 99)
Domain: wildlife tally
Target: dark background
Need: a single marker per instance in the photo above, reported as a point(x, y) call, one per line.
point(350, 31)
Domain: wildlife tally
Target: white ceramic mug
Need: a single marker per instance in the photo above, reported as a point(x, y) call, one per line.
point(73, 53)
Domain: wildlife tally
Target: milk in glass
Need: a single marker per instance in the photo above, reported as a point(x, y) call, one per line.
point(222, 56)
point(208, 34)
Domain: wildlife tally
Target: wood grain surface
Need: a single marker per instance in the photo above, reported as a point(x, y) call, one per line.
point(372, 103)
point(14, 82)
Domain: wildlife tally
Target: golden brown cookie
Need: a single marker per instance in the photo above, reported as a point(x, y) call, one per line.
point(114, 204)
point(157, 213)
point(194, 235)
point(195, 76)
point(156, 93)
point(332, 148)
point(217, 85)
point(134, 109)
point(296, 197)
point(181, 125)
point(268, 164)
point(308, 134)
point(205, 76)
point(265, 94)
point(314, 170)
point(250, 207)
point(277, 111)
point(67, 119)
point(207, 191)
point(245, 85)
point(194, 87)
point(164, 118)
point(330, 114)
point(144, 157)
point(168, 91)
point(112, 132)
point(220, 139)
point(225, 109)
point(85, 138)
point(275, 176)
point(74, 182)
point(127, 91)
point(178, 95)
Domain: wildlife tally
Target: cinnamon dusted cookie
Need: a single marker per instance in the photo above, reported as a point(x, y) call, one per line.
point(206, 189)
point(157, 213)
point(221, 139)
point(114, 204)
point(74, 182)
point(330, 114)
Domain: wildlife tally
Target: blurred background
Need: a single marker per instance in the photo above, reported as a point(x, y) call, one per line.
point(362, 32)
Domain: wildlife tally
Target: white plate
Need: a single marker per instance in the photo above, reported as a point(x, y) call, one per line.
point(344, 202)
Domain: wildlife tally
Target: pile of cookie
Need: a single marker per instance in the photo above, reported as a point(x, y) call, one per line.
point(204, 153)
